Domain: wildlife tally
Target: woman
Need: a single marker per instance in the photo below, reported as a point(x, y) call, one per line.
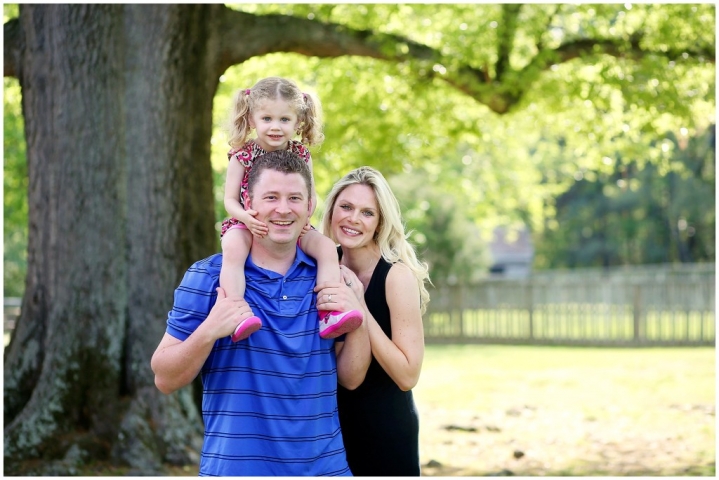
point(380, 425)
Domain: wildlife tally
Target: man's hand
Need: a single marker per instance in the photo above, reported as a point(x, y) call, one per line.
point(226, 314)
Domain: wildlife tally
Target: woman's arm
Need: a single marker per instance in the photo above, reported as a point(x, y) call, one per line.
point(353, 357)
point(401, 357)
point(354, 354)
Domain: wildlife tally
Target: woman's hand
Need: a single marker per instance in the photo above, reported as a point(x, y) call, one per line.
point(341, 296)
point(351, 280)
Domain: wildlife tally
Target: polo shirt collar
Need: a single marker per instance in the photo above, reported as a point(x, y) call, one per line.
point(301, 259)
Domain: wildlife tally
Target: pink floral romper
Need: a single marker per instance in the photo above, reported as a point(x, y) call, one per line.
point(246, 155)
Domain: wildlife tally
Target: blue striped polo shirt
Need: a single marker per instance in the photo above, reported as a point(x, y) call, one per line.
point(269, 402)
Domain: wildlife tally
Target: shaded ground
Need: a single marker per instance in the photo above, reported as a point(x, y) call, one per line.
point(530, 441)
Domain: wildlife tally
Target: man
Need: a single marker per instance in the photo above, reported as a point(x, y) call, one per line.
point(269, 401)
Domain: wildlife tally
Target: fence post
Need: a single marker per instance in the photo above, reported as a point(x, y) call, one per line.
point(637, 313)
point(458, 305)
point(530, 308)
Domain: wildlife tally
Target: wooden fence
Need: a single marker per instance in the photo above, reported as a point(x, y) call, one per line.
point(11, 310)
point(629, 306)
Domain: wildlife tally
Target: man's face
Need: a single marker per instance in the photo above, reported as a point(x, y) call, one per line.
point(282, 202)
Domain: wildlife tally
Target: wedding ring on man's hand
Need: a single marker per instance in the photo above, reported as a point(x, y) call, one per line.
point(329, 298)
point(349, 284)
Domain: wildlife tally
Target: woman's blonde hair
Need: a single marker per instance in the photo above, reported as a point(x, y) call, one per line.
point(307, 106)
point(390, 235)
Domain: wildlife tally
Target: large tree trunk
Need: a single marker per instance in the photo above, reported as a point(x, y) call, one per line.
point(118, 102)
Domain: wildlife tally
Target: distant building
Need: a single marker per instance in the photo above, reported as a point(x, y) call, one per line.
point(512, 253)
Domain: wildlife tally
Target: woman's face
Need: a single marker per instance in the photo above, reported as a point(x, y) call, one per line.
point(355, 217)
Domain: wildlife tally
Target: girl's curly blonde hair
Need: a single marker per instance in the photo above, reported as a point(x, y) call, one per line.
point(307, 106)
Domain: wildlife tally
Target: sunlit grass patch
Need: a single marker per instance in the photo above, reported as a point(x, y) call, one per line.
point(567, 410)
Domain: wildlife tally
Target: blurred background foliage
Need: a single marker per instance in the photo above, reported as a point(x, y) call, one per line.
point(606, 160)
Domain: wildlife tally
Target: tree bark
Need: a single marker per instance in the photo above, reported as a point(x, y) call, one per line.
point(117, 102)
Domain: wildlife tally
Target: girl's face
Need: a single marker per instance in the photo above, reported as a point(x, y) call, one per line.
point(276, 124)
point(355, 217)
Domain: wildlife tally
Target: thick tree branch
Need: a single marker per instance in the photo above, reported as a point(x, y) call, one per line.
point(243, 36)
point(11, 48)
point(632, 50)
point(547, 26)
point(246, 35)
point(506, 32)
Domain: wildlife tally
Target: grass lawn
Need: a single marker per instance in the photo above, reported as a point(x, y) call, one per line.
point(556, 411)
point(567, 411)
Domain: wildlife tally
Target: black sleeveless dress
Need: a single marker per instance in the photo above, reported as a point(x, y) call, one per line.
point(380, 425)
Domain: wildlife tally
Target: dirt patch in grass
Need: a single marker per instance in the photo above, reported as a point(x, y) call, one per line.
point(530, 441)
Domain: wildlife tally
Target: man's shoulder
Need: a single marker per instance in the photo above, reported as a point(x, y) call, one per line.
point(209, 266)
point(305, 260)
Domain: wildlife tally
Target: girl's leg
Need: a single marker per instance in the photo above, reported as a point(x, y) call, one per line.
point(236, 243)
point(323, 250)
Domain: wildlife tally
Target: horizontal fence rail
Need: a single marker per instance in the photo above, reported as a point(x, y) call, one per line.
point(638, 306)
point(628, 306)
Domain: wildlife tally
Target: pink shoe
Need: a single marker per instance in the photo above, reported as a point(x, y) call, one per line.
point(334, 324)
point(246, 328)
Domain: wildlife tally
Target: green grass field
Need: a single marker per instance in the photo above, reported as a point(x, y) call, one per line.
point(558, 411)
point(567, 411)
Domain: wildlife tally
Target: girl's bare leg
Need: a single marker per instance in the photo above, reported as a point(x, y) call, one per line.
point(323, 250)
point(236, 244)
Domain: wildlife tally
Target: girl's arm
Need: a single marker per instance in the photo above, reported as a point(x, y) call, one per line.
point(402, 356)
point(233, 179)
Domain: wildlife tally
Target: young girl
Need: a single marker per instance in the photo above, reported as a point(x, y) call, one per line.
point(277, 109)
